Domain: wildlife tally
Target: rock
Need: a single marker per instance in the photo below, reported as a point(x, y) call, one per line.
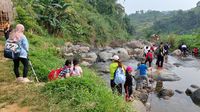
point(89, 57)
point(105, 56)
point(196, 97)
point(143, 97)
point(84, 49)
point(165, 93)
point(66, 55)
point(179, 92)
point(165, 75)
point(84, 63)
point(177, 52)
point(188, 92)
point(135, 44)
point(122, 53)
point(102, 67)
point(177, 64)
point(194, 86)
point(138, 106)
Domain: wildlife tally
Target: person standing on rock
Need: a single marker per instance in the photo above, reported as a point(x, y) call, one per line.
point(18, 36)
point(129, 83)
point(149, 58)
point(160, 56)
point(113, 67)
point(166, 52)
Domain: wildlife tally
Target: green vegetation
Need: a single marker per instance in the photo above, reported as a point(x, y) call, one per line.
point(90, 21)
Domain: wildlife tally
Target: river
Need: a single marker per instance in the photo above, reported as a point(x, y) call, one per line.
point(189, 71)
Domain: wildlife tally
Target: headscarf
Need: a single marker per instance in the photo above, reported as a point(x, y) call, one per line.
point(17, 33)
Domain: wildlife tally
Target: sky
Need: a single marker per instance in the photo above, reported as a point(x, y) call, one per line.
point(161, 5)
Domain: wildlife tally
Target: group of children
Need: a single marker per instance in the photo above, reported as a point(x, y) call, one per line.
point(129, 71)
point(71, 68)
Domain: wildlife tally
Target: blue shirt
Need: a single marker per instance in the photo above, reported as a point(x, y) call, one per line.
point(143, 69)
point(23, 43)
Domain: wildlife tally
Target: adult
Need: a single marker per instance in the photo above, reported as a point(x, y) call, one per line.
point(18, 36)
point(160, 56)
point(166, 51)
point(113, 67)
point(7, 30)
point(184, 49)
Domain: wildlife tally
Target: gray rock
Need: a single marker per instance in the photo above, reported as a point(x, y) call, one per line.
point(105, 56)
point(165, 75)
point(188, 92)
point(194, 86)
point(135, 44)
point(122, 53)
point(165, 93)
point(179, 92)
point(102, 67)
point(196, 97)
point(176, 52)
point(89, 57)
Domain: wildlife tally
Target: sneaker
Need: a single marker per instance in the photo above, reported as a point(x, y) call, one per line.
point(26, 80)
point(19, 79)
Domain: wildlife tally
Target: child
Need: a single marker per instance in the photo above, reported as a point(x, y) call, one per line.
point(143, 73)
point(128, 84)
point(149, 58)
point(66, 70)
point(76, 70)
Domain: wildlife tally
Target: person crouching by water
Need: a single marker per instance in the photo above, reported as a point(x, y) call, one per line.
point(129, 83)
point(113, 67)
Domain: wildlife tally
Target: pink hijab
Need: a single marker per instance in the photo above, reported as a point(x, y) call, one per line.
point(17, 33)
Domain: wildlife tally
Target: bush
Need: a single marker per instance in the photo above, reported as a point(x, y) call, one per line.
point(85, 94)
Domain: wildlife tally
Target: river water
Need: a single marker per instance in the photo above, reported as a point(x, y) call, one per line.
point(189, 71)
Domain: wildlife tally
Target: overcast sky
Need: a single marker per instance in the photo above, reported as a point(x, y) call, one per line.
point(161, 5)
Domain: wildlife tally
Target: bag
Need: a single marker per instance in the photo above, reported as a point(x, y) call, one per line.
point(119, 76)
point(53, 75)
point(12, 50)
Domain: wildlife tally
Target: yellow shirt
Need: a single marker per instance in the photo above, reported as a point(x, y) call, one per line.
point(113, 68)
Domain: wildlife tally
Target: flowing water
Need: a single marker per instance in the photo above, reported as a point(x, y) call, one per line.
point(189, 71)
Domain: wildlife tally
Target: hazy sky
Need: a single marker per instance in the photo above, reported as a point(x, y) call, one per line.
point(161, 5)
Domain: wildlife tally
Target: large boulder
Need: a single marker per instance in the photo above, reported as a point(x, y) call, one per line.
point(105, 56)
point(102, 67)
point(176, 52)
point(196, 97)
point(89, 57)
point(135, 44)
point(166, 93)
point(164, 75)
point(122, 53)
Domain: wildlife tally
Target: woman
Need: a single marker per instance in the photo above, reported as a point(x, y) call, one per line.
point(76, 70)
point(18, 36)
point(113, 67)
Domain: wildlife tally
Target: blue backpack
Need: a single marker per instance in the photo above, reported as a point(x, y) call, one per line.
point(119, 76)
point(12, 49)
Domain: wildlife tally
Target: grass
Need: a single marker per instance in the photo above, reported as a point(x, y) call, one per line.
point(85, 94)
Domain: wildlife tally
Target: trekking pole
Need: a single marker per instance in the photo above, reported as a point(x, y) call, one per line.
point(33, 70)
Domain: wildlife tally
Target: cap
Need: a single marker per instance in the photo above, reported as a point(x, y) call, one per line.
point(129, 68)
point(115, 57)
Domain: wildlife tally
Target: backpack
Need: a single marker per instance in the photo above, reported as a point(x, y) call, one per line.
point(119, 76)
point(12, 50)
point(54, 74)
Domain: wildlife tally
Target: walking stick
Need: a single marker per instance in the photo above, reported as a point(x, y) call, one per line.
point(33, 70)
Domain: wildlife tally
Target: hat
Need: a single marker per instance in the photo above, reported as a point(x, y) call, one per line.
point(129, 68)
point(115, 57)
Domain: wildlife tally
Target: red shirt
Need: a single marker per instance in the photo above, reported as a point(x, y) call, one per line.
point(149, 54)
